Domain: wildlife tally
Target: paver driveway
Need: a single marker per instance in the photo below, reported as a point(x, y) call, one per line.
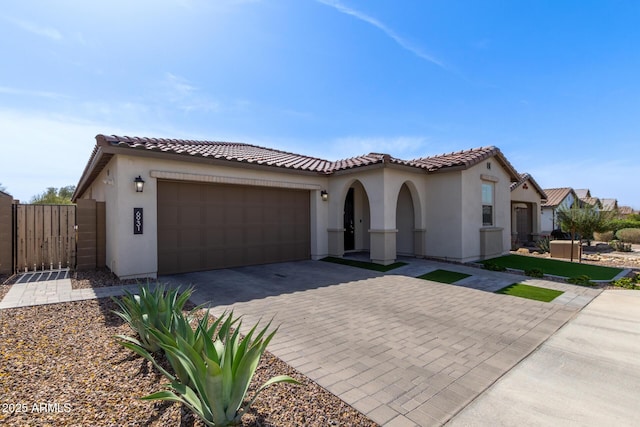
point(403, 351)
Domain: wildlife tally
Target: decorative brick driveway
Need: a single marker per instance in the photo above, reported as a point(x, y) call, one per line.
point(403, 351)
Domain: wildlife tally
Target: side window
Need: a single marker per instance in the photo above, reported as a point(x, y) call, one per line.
point(487, 204)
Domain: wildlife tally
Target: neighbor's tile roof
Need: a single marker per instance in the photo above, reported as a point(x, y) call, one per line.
point(582, 193)
point(609, 204)
point(592, 201)
point(247, 153)
point(555, 196)
point(625, 210)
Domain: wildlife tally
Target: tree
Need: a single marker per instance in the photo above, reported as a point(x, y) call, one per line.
point(582, 222)
point(3, 188)
point(55, 196)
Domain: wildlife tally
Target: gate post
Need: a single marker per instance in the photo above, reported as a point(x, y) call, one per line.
point(6, 233)
point(86, 242)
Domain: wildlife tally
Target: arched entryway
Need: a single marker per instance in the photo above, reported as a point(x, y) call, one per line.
point(405, 222)
point(356, 219)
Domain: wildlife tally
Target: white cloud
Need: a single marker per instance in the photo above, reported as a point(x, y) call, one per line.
point(401, 41)
point(185, 96)
point(40, 30)
point(40, 94)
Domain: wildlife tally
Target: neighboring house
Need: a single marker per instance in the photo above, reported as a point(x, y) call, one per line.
point(584, 194)
point(556, 198)
point(526, 204)
point(625, 211)
point(594, 202)
point(208, 205)
point(609, 205)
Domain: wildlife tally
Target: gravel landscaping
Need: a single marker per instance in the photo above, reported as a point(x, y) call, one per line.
point(61, 366)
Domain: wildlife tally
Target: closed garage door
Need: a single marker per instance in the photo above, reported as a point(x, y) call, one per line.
point(209, 226)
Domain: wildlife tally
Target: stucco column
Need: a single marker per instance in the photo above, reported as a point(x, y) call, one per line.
point(419, 246)
point(336, 242)
point(383, 246)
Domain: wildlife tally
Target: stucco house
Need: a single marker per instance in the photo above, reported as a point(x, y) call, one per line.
point(584, 194)
point(563, 197)
point(610, 205)
point(526, 210)
point(207, 205)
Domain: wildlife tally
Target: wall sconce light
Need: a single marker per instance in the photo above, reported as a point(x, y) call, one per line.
point(324, 195)
point(139, 184)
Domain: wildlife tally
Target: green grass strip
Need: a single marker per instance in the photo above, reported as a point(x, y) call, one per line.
point(530, 292)
point(555, 267)
point(364, 264)
point(444, 276)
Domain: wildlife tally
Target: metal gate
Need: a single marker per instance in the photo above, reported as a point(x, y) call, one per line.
point(44, 237)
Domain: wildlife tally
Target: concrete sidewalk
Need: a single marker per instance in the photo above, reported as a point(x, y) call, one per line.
point(587, 374)
point(56, 291)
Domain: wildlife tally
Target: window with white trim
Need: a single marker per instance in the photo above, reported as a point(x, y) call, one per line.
point(487, 203)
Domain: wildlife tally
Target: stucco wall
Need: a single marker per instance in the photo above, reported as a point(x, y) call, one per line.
point(443, 208)
point(130, 255)
point(472, 180)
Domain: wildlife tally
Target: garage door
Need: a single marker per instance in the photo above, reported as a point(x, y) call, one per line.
point(209, 226)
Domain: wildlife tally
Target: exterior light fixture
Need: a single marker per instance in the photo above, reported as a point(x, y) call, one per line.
point(139, 184)
point(324, 195)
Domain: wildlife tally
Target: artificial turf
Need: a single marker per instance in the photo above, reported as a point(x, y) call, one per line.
point(530, 292)
point(443, 276)
point(364, 264)
point(555, 267)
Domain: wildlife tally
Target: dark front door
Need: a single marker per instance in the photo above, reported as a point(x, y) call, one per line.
point(523, 224)
point(349, 223)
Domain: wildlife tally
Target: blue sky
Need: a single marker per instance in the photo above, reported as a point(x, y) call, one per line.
point(554, 84)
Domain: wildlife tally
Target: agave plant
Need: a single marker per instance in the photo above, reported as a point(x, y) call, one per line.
point(149, 309)
point(219, 374)
point(181, 327)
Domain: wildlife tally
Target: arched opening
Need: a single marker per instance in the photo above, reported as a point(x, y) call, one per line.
point(405, 222)
point(356, 219)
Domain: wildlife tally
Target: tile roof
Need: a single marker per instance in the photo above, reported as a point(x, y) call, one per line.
point(625, 210)
point(108, 145)
point(582, 193)
point(609, 204)
point(555, 196)
point(465, 158)
point(524, 177)
point(233, 151)
point(592, 201)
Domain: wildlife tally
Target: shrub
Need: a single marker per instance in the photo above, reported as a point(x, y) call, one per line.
point(605, 236)
point(543, 245)
point(149, 309)
point(534, 272)
point(619, 246)
point(582, 280)
point(618, 224)
point(627, 283)
point(494, 267)
point(629, 235)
